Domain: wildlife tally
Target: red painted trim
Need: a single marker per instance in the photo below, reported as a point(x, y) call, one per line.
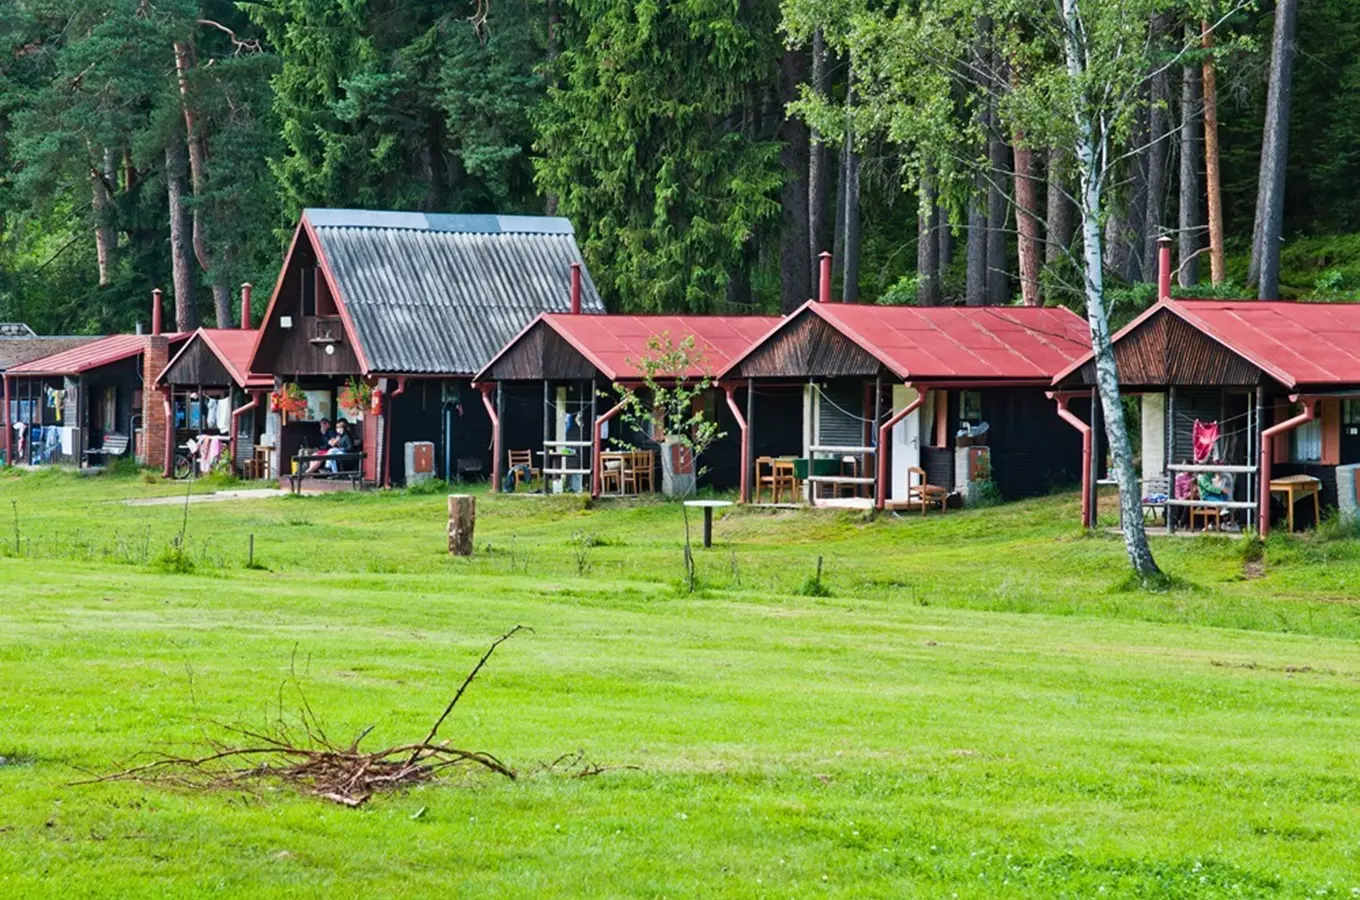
point(9, 426)
point(235, 425)
point(731, 392)
point(486, 390)
point(1267, 450)
point(881, 485)
point(1062, 398)
point(595, 445)
point(389, 413)
point(339, 298)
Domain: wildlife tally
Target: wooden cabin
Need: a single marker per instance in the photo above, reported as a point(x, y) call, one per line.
point(214, 399)
point(66, 407)
point(20, 344)
point(556, 380)
point(1280, 381)
point(410, 305)
point(867, 397)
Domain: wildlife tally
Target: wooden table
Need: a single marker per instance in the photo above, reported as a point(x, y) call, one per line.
point(1296, 486)
point(708, 506)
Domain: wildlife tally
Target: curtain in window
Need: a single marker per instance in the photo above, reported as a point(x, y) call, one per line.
point(1307, 442)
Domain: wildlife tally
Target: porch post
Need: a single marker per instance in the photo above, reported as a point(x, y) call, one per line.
point(9, 426)
point(543, 470)
point(1093, 463)
point(749, 461)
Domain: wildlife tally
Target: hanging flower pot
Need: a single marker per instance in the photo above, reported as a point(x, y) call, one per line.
point(355, 398)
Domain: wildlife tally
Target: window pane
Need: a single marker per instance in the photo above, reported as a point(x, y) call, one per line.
point(1307, 442)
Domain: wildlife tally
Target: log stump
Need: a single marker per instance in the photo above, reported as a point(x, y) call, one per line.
point(462, 522)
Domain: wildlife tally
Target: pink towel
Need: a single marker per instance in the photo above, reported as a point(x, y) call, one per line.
point(1205, 436)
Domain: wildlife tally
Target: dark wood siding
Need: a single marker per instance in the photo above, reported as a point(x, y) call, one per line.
point(198, 364)
point(300, 350)
point(1167, 350)
point(808, 347)
point(1033, 451)
point(542, 353)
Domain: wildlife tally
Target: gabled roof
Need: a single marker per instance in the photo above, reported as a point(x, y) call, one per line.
point(99, 352)
point(429, 293)
point(1294, 343)
point(21, 349)
point(614, 344)
point(946, 343)
point(234, 347)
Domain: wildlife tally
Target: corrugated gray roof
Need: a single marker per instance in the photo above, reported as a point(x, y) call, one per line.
point(15, 351)
point(441, 294)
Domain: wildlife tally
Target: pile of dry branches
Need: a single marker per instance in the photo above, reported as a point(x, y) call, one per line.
point(311, 761)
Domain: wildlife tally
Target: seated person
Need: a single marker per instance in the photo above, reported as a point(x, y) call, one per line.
point(332, 444)
point(1212, 487)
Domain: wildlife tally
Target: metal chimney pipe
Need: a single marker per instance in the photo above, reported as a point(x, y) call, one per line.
point(575, 289)
point(824, 283)
point(156, 312)
point(1164, 268)
point(245, 306)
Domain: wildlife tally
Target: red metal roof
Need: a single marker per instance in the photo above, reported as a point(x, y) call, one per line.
point(1011, 343)
point(234, 347)
point(614, 343)
point(1294, 343)
point(101, 352)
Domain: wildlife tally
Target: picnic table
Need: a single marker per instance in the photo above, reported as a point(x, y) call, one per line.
point(354, 474)
point(1296, 486)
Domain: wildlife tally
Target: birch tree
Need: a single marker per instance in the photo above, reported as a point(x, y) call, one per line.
point(1088, 66)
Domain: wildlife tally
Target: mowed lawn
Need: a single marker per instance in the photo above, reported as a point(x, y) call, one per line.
point(974, 708)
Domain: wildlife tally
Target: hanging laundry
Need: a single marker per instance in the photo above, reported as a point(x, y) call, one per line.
point(224, 415)
point(21, 429)
point(68, 441)
point(1204, 437)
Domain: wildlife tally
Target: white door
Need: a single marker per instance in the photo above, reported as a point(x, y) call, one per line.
point(906, 440)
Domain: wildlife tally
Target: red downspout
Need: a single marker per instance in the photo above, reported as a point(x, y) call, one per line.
point(486, 390)
point(1267, 441)
point(9, 427)
point(575, 289)
point(1087, 520)
point(245, 306)
point(169, 471)
point(745, 443)
point(881, 486)
point(595, 445)
point(824, 283)
point(240, 411)
point(387, 430)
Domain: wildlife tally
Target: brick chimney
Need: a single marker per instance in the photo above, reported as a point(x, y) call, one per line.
point(155, 358)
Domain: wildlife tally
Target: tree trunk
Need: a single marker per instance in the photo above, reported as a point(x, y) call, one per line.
point(975, 280)
point(462, 524)
point(795, 267)
point(1158, 147)
point(198, 173)
point(1135, 209)
point(1264, 271)
point(850, 271)
point(1058, 209)
point(944, 230)
point(819, 167)
point(1090, 160)
point(927, 248)
point(181, 237)
point(1213, 183)
point(1190, 217)
point(1027, 222)
point(1116, 257)
point(998, 214)
point(104, 179)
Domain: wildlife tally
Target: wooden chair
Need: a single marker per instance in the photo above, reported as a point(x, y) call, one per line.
point(927, 495)
point(764, 476)
point(646, 473)
point(612, 466)
point(524, 458)
point(1212, 516)
point(783, 476)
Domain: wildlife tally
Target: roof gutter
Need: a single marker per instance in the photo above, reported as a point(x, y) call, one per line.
point(731, 391)
point(595, 443)
point(1268, 436)
point(1084, 428)
point(486, 390)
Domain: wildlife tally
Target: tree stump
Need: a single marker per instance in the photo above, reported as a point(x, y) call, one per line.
point(462, 522)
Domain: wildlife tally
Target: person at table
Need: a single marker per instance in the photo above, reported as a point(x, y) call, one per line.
point(327, 438)
point(343, 442)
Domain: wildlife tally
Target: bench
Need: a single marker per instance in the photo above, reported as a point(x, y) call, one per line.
point(354, 473)
point(114, 445)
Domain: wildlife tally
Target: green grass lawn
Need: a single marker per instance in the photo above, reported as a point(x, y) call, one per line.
point(974, 708)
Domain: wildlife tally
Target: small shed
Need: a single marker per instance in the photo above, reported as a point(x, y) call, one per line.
point(865, 394)
point(1277, 381)
point(551, 383)
point(411, 305)
point(212, 394)
point(62, 405)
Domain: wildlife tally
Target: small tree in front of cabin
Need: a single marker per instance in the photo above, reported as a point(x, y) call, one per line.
point(666, 408)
